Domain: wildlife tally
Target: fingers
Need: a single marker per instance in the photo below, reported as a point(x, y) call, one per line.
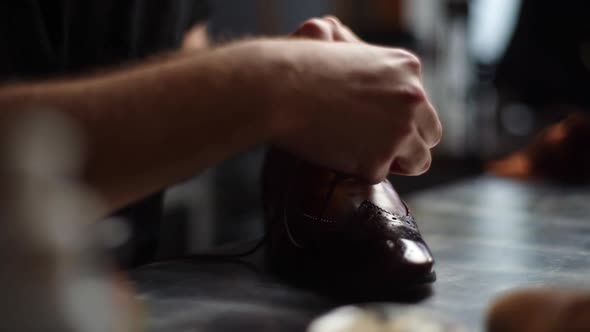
point(374, 170)
point(413, 158)
point(328, 28)
point(388, 108)
point(428, 124)
point(406, 155)
point(409, 90)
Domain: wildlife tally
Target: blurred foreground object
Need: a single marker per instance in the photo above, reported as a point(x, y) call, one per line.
point(356, 319)
point(541, 310)
point(54, 274)
point(559, 153)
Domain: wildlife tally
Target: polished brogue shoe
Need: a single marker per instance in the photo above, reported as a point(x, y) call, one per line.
point(340, 233)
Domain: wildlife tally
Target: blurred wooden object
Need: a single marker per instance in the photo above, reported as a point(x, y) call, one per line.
point(541, 310)
point(559, 153)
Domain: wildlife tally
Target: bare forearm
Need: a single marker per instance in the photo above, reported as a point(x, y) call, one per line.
point(352, 107)
point(152, 125)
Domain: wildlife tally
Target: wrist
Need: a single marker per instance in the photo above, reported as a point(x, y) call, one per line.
point(278, 86)
point(264, 78)
point(249, 78)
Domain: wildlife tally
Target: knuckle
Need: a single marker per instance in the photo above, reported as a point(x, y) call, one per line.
point(409, 59)
point(332, 19)
point(414, 64)
point(411, 93)
point(407, 54)
point(407, 86)
point(316, 21)
point(315, 28)
point(313, 24)
point(340, 31)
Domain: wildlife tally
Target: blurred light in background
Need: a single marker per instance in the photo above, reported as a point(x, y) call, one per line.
point(517, 119)
point(491, 25)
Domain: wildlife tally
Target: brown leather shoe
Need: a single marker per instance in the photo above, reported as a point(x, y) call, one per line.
point(339, 233)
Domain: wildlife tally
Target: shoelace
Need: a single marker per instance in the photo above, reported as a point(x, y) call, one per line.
point(265, 236)
point(332, 188)
point(224, 256)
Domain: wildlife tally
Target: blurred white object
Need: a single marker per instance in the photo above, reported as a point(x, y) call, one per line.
point(491, 25)
point(347, 319)
point(54, 275)
point(356, 319)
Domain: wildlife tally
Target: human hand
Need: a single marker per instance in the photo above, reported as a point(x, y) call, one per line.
point(412, 160)
point(352, 107)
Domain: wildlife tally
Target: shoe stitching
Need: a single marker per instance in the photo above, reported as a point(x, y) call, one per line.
point(407, 220)
point(393, 218)
point(318, 219)
point(367, 205)
point(286, 225)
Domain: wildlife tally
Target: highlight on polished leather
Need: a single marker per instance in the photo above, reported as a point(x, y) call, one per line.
point(337, 231)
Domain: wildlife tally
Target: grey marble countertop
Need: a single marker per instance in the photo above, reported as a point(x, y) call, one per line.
point(488, 235)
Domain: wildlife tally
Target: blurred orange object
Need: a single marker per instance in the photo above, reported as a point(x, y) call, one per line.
point(559, 153)
point(541, 310)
